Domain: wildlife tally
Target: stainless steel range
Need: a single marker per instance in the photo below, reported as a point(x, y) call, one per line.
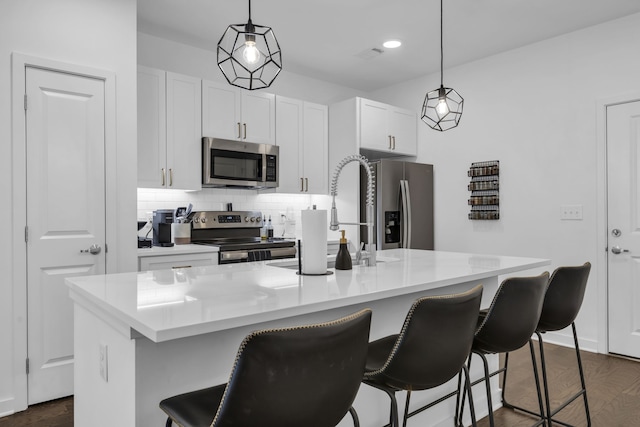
point(237, 234)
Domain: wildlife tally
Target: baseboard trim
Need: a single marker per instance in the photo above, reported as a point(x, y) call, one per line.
point(7, 407)
point(566, 340)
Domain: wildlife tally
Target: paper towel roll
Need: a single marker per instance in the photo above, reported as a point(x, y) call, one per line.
point(314, 241)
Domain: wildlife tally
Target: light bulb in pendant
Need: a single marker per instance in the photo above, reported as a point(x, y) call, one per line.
point(251, 54)
point(442, 108)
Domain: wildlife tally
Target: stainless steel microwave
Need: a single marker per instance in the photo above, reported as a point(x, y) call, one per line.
point(239, 164)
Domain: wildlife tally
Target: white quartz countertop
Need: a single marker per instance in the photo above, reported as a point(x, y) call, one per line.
point(170, 304)
point(176, 250)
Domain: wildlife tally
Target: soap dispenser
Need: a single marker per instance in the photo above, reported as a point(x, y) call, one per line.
point(343, 259)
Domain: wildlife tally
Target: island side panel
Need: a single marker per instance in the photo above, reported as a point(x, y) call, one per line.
point(99, 401)
point(177, 366)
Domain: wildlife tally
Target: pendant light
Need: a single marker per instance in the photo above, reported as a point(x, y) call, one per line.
point(442, 108)
point(249, 55)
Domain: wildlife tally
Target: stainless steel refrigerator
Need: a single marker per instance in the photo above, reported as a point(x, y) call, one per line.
point(403, 204)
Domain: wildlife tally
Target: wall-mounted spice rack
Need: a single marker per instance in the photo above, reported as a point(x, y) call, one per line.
point(485, 190)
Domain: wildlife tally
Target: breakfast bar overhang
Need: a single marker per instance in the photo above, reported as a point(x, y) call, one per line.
point(142, 337)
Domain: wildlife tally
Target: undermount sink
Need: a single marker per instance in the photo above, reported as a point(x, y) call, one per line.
point(331, 263)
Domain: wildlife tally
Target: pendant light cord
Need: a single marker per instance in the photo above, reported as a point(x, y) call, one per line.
point(250, 11)
point(441, 48)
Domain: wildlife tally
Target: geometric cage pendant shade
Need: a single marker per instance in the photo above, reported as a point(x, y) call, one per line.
point(442, 108)
point(249, 55)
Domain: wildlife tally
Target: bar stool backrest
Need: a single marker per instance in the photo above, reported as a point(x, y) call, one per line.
point(300, 376)
point(434, 342)
point(513, 315)
point(564, 297)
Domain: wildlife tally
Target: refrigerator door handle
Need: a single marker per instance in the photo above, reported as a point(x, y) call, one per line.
point(404, 208)
point(408, 209)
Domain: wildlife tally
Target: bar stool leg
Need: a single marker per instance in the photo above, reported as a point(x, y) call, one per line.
point(468, 390)
point(544, 378)
point(460, 408)
point(582, 382)
point(354, 415)
point(488, 387)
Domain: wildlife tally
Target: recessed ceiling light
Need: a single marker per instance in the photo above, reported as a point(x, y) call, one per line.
point(392, 44)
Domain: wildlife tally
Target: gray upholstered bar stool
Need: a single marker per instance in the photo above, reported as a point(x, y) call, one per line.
point(562, 303)
point(291, 377)
point(431, 348)
point(507, 326)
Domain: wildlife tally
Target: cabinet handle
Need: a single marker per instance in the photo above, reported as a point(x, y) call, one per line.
point(245, 130)
point(301, 184)
point(163, 177)
point(394, 142)
point(239, 131)
point(389, 142)
point(170, 177)
point(180, 266)
point(306, 180)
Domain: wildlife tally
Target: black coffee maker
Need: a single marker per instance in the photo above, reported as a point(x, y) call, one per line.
point(162, 220)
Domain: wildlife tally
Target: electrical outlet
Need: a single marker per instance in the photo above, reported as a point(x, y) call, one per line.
point(571, 212)
point(104, 362)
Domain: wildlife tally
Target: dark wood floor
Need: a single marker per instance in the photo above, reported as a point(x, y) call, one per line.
point(613, 386)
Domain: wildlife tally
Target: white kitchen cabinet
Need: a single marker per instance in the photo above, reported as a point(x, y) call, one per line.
point(231, 113)
point(169, 130)
point(386, 128)
point(302, 134)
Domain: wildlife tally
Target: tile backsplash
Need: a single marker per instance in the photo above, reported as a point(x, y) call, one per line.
point(210, 199)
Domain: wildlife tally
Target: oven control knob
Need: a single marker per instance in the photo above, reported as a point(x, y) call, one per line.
point(203, 220)
point(253, 219)
point(258, 219)
point(196, 220)
point(246, 219)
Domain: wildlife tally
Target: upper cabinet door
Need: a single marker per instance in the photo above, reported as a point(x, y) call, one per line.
point(303, 137)
point(221, 111)
point(152, 154)
point(289, 138)
point(316, 148)
point(184, 133)
point(232, 113)
point(259, 117)
point(374, 133)
point(403, 130)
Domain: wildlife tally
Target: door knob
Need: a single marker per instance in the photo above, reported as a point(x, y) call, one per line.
point(93, 250)
point(618, 250)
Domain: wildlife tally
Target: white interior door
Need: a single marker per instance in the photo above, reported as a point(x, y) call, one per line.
point(65, 216)
point(623, 212)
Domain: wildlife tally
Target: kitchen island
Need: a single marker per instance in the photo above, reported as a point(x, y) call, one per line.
point(141, 337)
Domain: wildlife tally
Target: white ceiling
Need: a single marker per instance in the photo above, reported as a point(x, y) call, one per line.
point(322, 38)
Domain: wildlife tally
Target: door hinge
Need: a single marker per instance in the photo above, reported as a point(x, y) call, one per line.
point(25, 102)
point(27, 363)
point(26, 234)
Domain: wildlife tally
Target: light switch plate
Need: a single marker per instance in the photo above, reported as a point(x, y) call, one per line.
point(571, 212)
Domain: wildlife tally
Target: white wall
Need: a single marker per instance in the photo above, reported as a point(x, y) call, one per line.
point(94, 33)
point(534, 109)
